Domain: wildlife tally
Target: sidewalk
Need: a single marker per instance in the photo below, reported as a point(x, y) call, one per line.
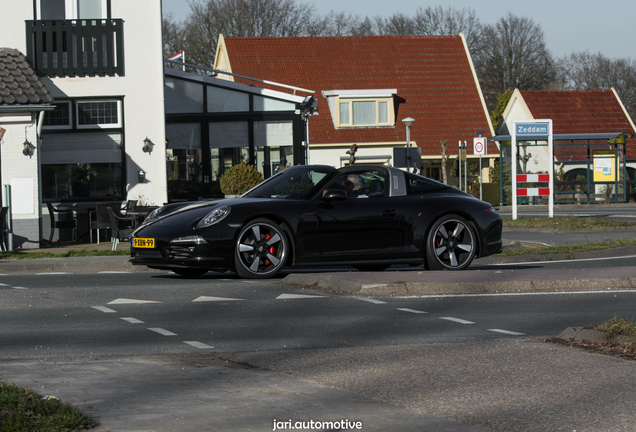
point(197, 393)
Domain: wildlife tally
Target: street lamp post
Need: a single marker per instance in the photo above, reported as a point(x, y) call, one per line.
point(408, 122)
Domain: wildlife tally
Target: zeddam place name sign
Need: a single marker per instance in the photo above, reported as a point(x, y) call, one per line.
point(532, 129)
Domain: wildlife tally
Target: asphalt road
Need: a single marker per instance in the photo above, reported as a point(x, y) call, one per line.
point(61, 315)
point(474, 359)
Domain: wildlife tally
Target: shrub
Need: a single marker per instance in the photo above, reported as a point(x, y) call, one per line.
point(239, 179)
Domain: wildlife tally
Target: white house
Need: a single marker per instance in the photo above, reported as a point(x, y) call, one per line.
point(101, 61)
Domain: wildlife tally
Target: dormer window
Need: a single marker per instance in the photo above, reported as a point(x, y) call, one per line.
point(361, 108)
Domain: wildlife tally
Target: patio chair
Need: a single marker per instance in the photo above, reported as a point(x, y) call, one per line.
point(122, 227)
point(102, 221)
point(67, 223)
point(130, 204)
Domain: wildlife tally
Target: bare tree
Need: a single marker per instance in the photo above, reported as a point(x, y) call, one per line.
point(439, 21)
point(341, 24)
point(243, 18)
point(396, 24)
point(173, 36)
point(512, 53)
point(444, 145)
point(585, 71)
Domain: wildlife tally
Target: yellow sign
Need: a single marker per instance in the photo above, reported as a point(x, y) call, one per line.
point(604, 166)
point(463, 154)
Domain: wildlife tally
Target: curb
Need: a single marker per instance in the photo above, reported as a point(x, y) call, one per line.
point(331, 283)
point(77, 264)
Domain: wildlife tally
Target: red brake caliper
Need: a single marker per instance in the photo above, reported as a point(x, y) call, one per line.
point(271, 249)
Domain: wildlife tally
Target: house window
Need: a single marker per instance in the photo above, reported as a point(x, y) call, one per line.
point(364, 113)
point(71, 9)
point(60, 118)
point(344, 113)
point(98, 114)
point(361, 108)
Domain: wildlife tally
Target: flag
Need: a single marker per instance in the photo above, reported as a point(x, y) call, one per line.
point(177, 56)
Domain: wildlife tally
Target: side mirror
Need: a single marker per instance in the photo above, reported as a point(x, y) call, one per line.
point(334, 195)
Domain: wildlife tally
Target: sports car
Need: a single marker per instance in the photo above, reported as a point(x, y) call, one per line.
point(364, 216)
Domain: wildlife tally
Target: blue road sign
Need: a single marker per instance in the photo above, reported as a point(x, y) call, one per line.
point(527, 129)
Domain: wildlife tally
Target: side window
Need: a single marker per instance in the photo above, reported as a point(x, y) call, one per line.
point(418, 184)
point(361, 184)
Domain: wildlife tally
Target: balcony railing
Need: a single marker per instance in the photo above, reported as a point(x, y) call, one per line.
point(76, 47)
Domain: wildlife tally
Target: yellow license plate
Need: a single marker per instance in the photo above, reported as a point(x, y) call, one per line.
point(148, 243)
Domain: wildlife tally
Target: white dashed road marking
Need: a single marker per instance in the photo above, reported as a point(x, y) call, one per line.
point(133, 320)
point(370, 300)
point(103, 309)
point(457, 320)
point(198, 344)
point(508, 332)
point(20, 288)
point(214, 299)
point(52, 273)
point(411, 311)
point(162, 331)
point(131, 301)
point(297, 296)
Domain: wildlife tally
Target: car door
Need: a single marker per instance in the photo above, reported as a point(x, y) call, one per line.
point(356, 227)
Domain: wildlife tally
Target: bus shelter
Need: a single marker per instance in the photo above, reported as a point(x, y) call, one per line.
point(587, 168)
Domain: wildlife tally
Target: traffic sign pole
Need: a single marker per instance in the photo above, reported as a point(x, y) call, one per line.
point(479, 147)
point(459, 162)
point(465, 168)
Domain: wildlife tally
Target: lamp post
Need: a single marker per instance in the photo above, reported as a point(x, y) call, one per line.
point(308, 107)
point(408, 122)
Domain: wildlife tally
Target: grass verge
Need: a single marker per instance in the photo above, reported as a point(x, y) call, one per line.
point(565, 222)
point(570, 249)
point(23, 410)
point(614, 344)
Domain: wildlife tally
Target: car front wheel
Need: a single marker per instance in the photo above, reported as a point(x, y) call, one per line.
point(451, 244)
point(261, 250)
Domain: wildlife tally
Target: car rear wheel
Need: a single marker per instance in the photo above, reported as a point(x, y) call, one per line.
point(261, 250)
point(451, 244)
point(190, 272)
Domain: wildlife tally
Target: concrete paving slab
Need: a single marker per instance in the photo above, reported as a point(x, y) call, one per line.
point(202, 392)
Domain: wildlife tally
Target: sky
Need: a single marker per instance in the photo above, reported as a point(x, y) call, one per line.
point(568, 25)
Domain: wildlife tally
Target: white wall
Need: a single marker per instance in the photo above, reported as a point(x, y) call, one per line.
point(21, 172)
point(142, 90)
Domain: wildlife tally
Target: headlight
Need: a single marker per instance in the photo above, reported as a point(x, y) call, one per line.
point(189, 239)
point(213, 217)
point(154, 215)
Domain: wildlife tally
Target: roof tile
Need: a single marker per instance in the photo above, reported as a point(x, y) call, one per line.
point(432, 75)
point(19, 85)
point(580, 111)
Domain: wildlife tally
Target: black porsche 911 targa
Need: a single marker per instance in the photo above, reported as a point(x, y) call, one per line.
point(364, 216)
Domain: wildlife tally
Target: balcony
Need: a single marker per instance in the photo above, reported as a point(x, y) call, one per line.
point(83, 48)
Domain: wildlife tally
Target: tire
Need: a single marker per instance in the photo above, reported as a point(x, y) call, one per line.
point(451, 244)
point(190, 272)
point(261, 250)
point(371, 267)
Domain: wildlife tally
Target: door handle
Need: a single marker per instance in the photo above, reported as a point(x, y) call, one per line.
point(389, 213)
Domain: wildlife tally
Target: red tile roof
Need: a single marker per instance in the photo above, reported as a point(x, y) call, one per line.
point(580, 111)
point(432, 75)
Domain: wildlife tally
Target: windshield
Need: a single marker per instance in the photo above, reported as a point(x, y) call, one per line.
point(292, 183)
